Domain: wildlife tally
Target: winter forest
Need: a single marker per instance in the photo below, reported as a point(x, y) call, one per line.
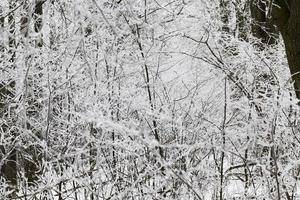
point(149, 99)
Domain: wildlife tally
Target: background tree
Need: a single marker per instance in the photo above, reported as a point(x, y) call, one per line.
point(285, 15)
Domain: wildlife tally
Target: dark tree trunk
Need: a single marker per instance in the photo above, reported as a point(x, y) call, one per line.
point(286, 16)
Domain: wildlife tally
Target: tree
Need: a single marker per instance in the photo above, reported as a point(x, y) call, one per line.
point(286, 16)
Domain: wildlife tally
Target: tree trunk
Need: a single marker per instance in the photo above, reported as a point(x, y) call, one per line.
point(286, 16)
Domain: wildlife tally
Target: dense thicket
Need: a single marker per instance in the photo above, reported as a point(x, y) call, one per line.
point(149, 99)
